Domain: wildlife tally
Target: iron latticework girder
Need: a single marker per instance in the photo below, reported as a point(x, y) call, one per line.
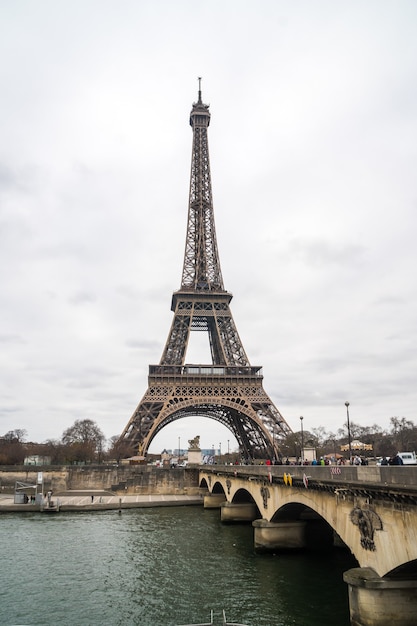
point(228, 389)
point(201, 270)
point(209, 313)
point(234, 396)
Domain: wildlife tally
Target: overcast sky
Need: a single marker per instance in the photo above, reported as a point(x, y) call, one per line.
point(313, 158)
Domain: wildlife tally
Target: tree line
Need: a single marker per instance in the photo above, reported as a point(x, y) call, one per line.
point(84, 442)
point(400, 436)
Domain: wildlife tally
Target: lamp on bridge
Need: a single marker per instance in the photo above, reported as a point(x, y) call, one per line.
point(302, 441)
point(348, 429)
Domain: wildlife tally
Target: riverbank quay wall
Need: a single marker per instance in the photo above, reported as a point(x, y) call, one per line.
point(371, 510)
point(121, 479)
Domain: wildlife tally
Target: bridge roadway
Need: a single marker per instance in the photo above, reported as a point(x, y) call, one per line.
point(369, 509)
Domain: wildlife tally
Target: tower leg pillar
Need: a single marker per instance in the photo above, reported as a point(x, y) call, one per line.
point(375, 601)
point(279, 535)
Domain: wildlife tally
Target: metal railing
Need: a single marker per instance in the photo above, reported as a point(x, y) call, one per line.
point(205, 370)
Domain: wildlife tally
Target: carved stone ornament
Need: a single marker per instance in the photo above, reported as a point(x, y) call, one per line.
point(265, 495)
point(228, 485)
point(368, 522)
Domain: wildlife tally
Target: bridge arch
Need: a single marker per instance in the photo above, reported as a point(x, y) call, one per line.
point(243, 496)
point(218, 488)
point(319, 532)
point(291, 511)
point(405, 571)
point(203, 484)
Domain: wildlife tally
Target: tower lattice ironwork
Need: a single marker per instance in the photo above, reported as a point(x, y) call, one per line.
point(228, 389)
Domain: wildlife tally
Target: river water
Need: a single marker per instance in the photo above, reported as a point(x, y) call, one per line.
point(159, 567)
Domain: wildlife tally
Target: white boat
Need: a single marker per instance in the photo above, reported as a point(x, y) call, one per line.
point(224, 622)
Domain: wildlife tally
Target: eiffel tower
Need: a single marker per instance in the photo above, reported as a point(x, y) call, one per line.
point(228, 389)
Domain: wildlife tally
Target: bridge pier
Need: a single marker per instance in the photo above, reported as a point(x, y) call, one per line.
point(376, 601)
point(288, 535)
point(214, 500)
point(238, 512)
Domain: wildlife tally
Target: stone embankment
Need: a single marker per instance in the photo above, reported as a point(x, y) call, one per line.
point(115, 479)
point(99, 487)
point(127, 479)
point(98, 501)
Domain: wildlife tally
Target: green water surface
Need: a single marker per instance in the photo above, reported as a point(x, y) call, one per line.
point(159, 567)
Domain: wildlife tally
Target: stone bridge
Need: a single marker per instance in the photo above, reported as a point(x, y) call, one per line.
point(368, 509)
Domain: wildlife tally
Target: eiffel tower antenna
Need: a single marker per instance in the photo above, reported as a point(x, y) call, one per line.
point(229, 389)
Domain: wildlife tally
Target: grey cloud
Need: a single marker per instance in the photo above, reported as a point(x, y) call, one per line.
point(11, 338)
point(320, 252)
point(11, 409)
point(142, 344)
point(7, 178)
point(11, 180)
point(82, 297)
point(89, 378)
point(390, 301)
point(127, 291)
point(64, 249)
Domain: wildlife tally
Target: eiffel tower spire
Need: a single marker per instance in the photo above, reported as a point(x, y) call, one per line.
point(201, 271)
point(228, 389)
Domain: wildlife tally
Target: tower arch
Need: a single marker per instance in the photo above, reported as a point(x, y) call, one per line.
point(228, 412)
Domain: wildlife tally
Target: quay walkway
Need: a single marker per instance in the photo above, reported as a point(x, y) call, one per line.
point(97, 500)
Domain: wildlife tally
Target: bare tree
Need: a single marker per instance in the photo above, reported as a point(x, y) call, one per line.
point(16, 436)
point(403, 431)
point(55, 450)
point(84, 441)
point(12, 449)
point(118, 449)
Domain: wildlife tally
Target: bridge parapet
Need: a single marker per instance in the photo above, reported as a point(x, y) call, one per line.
point(392, 483)
point(391, 475)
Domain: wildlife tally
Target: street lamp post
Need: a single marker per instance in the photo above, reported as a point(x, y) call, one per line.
point(302, 441)
point(220, 453)
point(179, 450)
point(348, 428)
